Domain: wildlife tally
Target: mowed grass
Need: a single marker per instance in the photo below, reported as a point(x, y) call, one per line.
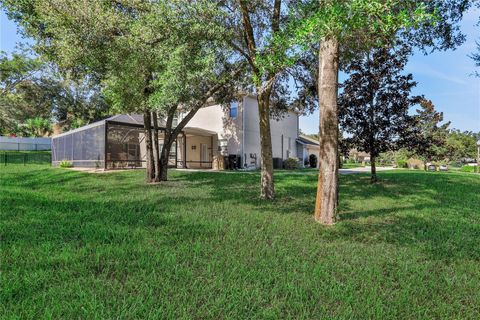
point(203, 246)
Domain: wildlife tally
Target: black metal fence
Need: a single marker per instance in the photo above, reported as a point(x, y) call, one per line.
point(25, 158)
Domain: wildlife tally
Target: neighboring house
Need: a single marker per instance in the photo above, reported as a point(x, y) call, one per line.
point(307, 146)
point(359, 156)
point(216, 137)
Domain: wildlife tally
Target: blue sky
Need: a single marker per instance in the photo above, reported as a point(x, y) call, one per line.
point(443, 77)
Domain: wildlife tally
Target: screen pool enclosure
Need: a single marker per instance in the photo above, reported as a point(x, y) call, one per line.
point(114, 143)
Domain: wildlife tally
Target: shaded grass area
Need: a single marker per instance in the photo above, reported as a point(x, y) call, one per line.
point(77, 245)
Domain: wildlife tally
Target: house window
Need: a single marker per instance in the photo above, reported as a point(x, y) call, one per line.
point(175, 120)
point(233, 110)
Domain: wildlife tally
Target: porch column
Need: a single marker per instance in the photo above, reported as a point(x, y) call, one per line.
point(184, 151)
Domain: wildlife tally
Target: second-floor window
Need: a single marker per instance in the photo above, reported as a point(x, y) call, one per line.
point(175, 120)
point(233, 109)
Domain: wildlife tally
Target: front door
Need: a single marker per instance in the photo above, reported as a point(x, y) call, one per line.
point(204, 154)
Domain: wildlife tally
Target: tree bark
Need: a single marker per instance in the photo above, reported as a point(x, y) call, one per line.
point(267, 185)
point(156, 151)
point(169, 136)
point(373, 167)
point(263, 94)
point(327, 191)
point(164, 157)
point(147, 120)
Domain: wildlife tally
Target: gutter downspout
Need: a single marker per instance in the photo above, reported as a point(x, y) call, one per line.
point(282, 148)
point(105, 146)
point(243, 131)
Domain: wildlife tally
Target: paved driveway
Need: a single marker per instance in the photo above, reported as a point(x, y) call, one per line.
point(364, 169)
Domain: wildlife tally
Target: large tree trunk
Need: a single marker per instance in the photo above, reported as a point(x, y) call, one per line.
point(168, 137)
point(156, 151)
point(373, 167)
point(147, 121)
point(164, 156)
point(267, 184)
point(327, 191)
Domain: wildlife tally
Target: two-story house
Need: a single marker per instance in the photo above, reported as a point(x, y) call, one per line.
point(215, 133)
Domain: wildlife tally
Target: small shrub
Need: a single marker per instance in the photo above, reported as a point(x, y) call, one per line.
point(470, 169)
point(415, 164)
point(402, 164)
point(65, 164)
point(290, 163)
point(312, 159)
point(387, 158)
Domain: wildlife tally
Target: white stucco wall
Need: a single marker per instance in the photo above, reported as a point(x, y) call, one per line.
point(217, 118)
point(245, 140)
point(194, 151)
point(285, 129)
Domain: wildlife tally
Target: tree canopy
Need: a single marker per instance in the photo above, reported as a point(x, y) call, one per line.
point(32, 88)
point(430, 133)
point(148, 56)
point(375, 102)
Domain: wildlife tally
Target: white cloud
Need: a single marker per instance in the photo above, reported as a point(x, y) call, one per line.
point(429, 71)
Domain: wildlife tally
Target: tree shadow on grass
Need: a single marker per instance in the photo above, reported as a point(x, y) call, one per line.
point(37, 177)
point(81, 238)
point(408, 218)
point(404, 214)
point(440, 239)
point(86, 221)
point(296, 193)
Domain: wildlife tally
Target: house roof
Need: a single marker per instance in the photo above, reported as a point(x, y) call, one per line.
point(304, 140)
point(128, 119)
point(198, 131)
point(135, 119)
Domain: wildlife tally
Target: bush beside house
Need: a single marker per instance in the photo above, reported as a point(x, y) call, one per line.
point(291, 164)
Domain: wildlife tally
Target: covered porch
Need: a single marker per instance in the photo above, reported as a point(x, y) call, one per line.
point(196, 149)
point(125, 147)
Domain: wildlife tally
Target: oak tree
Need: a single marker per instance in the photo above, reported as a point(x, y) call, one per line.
point(151, 57)
point(345, 28)
point(261, 37)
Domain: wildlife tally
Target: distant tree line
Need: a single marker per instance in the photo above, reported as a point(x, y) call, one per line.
point(376, 114)
point(35, 94)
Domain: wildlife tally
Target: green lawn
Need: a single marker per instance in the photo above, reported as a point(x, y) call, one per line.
point(85, 246)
